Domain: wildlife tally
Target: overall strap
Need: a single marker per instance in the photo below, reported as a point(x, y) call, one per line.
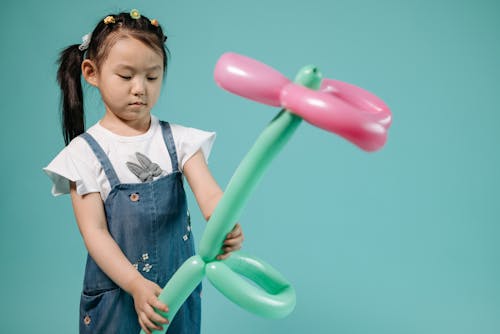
point(103, 159)
point(169, 141)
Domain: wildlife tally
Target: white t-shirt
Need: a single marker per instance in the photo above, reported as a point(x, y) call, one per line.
point(78, 163)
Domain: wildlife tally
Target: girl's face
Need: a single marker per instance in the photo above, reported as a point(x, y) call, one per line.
point(130, 81)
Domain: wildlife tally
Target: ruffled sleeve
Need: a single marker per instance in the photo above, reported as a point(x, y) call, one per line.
point(189, 140)
point(74, 163)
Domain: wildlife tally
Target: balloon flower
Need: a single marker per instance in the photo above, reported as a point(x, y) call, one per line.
point(341, 108)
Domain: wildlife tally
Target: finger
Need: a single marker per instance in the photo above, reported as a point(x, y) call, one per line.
point(148, 323)
point(143, 326)
point(236, 231)
point(234, 235)
point(223, 256)
point(227, 250)
point(231, 236)
point(237, 228)
point(231, 246)
point(158, 319)
point(160, 306)
point(233, 242)
point(157, 289)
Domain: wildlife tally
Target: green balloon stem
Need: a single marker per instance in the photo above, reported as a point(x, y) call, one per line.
point(245, 179)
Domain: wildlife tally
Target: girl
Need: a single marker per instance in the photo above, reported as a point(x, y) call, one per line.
point(125, 177)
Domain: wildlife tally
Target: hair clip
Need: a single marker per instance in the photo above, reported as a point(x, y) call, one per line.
point(109, 19)
point(86, 41)
point(154, 22)
point(134, 13)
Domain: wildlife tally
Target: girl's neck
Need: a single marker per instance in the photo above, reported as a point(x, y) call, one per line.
point(123, 127)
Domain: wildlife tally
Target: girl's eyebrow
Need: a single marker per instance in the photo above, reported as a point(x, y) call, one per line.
point(128, 67)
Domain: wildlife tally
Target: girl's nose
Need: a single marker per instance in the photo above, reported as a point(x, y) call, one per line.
point(139, 87)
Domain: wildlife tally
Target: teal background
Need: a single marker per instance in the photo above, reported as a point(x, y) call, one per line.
point(405, 240)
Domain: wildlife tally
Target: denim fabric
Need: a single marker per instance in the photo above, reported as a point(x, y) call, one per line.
point(150, 222)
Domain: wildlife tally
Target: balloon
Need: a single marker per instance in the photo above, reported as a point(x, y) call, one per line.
point(272, 295)
point(274, 299)
point(349, 111)
point(180, 286)
point(247, 77)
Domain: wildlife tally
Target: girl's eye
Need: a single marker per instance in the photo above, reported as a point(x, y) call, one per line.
point(152, 78)
point(125, 77)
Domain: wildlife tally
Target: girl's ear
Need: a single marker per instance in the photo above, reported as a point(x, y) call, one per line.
point(89, 72)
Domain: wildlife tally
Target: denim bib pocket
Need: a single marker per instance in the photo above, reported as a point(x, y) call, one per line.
point(94, 306)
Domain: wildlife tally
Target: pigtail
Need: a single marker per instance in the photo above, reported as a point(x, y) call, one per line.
point(69, 79)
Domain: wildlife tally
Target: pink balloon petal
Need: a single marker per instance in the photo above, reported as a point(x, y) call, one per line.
point(249, 78)
point(354, 114)
point(358, 97)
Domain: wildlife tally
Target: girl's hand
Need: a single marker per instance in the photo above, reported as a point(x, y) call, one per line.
point(145, 294)
point(233, 242)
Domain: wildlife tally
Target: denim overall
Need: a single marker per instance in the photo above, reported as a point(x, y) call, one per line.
point(150, 222)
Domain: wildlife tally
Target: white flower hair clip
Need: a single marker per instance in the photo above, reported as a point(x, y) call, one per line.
point(86, 41)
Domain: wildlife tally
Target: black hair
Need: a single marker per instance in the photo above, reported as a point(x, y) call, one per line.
point(70, 62)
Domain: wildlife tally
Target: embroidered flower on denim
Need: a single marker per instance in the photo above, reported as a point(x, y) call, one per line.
point(147, 267)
